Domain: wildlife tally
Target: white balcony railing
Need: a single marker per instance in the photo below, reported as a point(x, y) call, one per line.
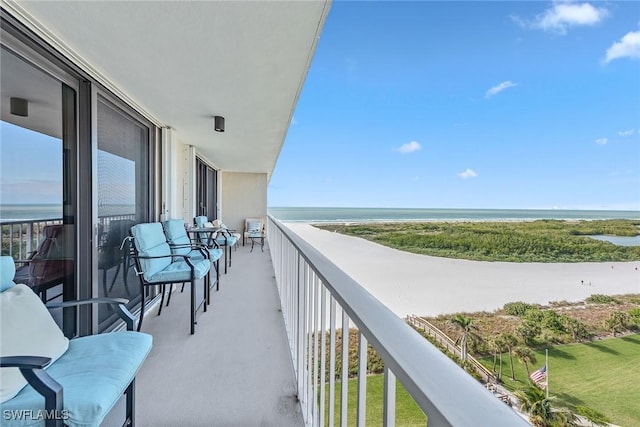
point(313, 291)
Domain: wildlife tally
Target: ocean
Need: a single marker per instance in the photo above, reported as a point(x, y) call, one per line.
point(25, 212)
point(322, 215)
point(30, 212)
point(325, 215)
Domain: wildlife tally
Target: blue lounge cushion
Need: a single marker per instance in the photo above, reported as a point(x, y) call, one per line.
point(93, 372)
point(7, 272)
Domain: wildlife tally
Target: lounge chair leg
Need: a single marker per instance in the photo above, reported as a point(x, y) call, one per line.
point(169, 296)
point(131, 404)
point(141, 307)
point(205, 281)
point(161, 300)
point(193, 306)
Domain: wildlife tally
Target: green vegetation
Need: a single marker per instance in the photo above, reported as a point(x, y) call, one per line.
point(408, 413)
point(602, 375)
point(602, 299)
point(534, 241)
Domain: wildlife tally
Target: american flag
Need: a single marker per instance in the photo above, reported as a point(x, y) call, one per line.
point(539, 376)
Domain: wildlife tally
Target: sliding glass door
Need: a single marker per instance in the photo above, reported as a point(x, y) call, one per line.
point(37, 159)
point(206, 190)
point(124, 189)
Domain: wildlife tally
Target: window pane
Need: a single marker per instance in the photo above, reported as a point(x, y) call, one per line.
point(123, 200)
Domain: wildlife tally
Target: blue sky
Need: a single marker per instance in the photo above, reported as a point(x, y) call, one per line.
point(469, 105)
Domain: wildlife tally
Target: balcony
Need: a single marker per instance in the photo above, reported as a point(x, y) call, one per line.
point(270, 331)
point(257, 355)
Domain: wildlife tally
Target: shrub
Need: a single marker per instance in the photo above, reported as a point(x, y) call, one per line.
point(634, 315)
point(602, 299)
point(517, 308)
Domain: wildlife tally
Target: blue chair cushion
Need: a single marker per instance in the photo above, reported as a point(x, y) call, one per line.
point(177, 237)
point(7, 272)
point(181, 244)
point(215, 254)
point(179, 271)
point(201, 221)
point(94, 373)
point(226, 239)
point(150, 240)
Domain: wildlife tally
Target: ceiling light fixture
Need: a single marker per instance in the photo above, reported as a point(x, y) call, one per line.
point(19, 107)
point(218, 123)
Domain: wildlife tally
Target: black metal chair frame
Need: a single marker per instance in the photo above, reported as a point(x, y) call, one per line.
point(199, 246)
point(143, 283)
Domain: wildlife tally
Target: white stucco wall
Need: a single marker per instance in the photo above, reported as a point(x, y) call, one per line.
point(244, 195)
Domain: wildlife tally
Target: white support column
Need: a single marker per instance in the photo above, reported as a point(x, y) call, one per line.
point(170, 157)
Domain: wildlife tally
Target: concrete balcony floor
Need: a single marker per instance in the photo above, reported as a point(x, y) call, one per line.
point(236, 370)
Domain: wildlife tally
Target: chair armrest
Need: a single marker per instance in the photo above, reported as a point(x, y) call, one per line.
point(32, 369)
point(194, 246)
point(25, 362)
point(118, 304)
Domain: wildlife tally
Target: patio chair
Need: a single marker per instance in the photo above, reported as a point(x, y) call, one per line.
point(51, 264)
point(180, 244)
point(222, 237)
point(156, 264)
point(227, 231)
point(50, 380)
point(112, 254)
point(252, 226)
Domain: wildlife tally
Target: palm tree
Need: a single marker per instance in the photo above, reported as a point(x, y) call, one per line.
point(533, 400)
point(466, 326)
point(526, 356)
point(510, 342)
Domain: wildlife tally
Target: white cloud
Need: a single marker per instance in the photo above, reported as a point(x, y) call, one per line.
point(469, 173)
point(602, 141)
point(563, 15)
point(629, 132)
point(499, 88)
point(628, 46)
point(409, 147)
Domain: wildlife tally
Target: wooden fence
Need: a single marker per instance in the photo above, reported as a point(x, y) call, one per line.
point(442, 339)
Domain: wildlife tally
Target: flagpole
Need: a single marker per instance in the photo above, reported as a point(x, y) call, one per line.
point(546, 357)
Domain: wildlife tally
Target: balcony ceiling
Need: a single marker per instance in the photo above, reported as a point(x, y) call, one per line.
point(184, 62)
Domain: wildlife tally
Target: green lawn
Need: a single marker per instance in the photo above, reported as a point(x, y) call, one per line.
point(408, 413)
point(603, 375)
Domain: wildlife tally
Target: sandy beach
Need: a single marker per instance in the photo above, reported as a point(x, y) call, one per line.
point(425, 285)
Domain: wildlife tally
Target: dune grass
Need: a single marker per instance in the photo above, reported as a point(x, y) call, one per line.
point(602, 375)
point(526, 241)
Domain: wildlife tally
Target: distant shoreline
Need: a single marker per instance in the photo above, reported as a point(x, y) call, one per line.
point(322, 215)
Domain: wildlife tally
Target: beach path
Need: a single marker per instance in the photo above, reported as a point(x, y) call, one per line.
point(425, 285)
